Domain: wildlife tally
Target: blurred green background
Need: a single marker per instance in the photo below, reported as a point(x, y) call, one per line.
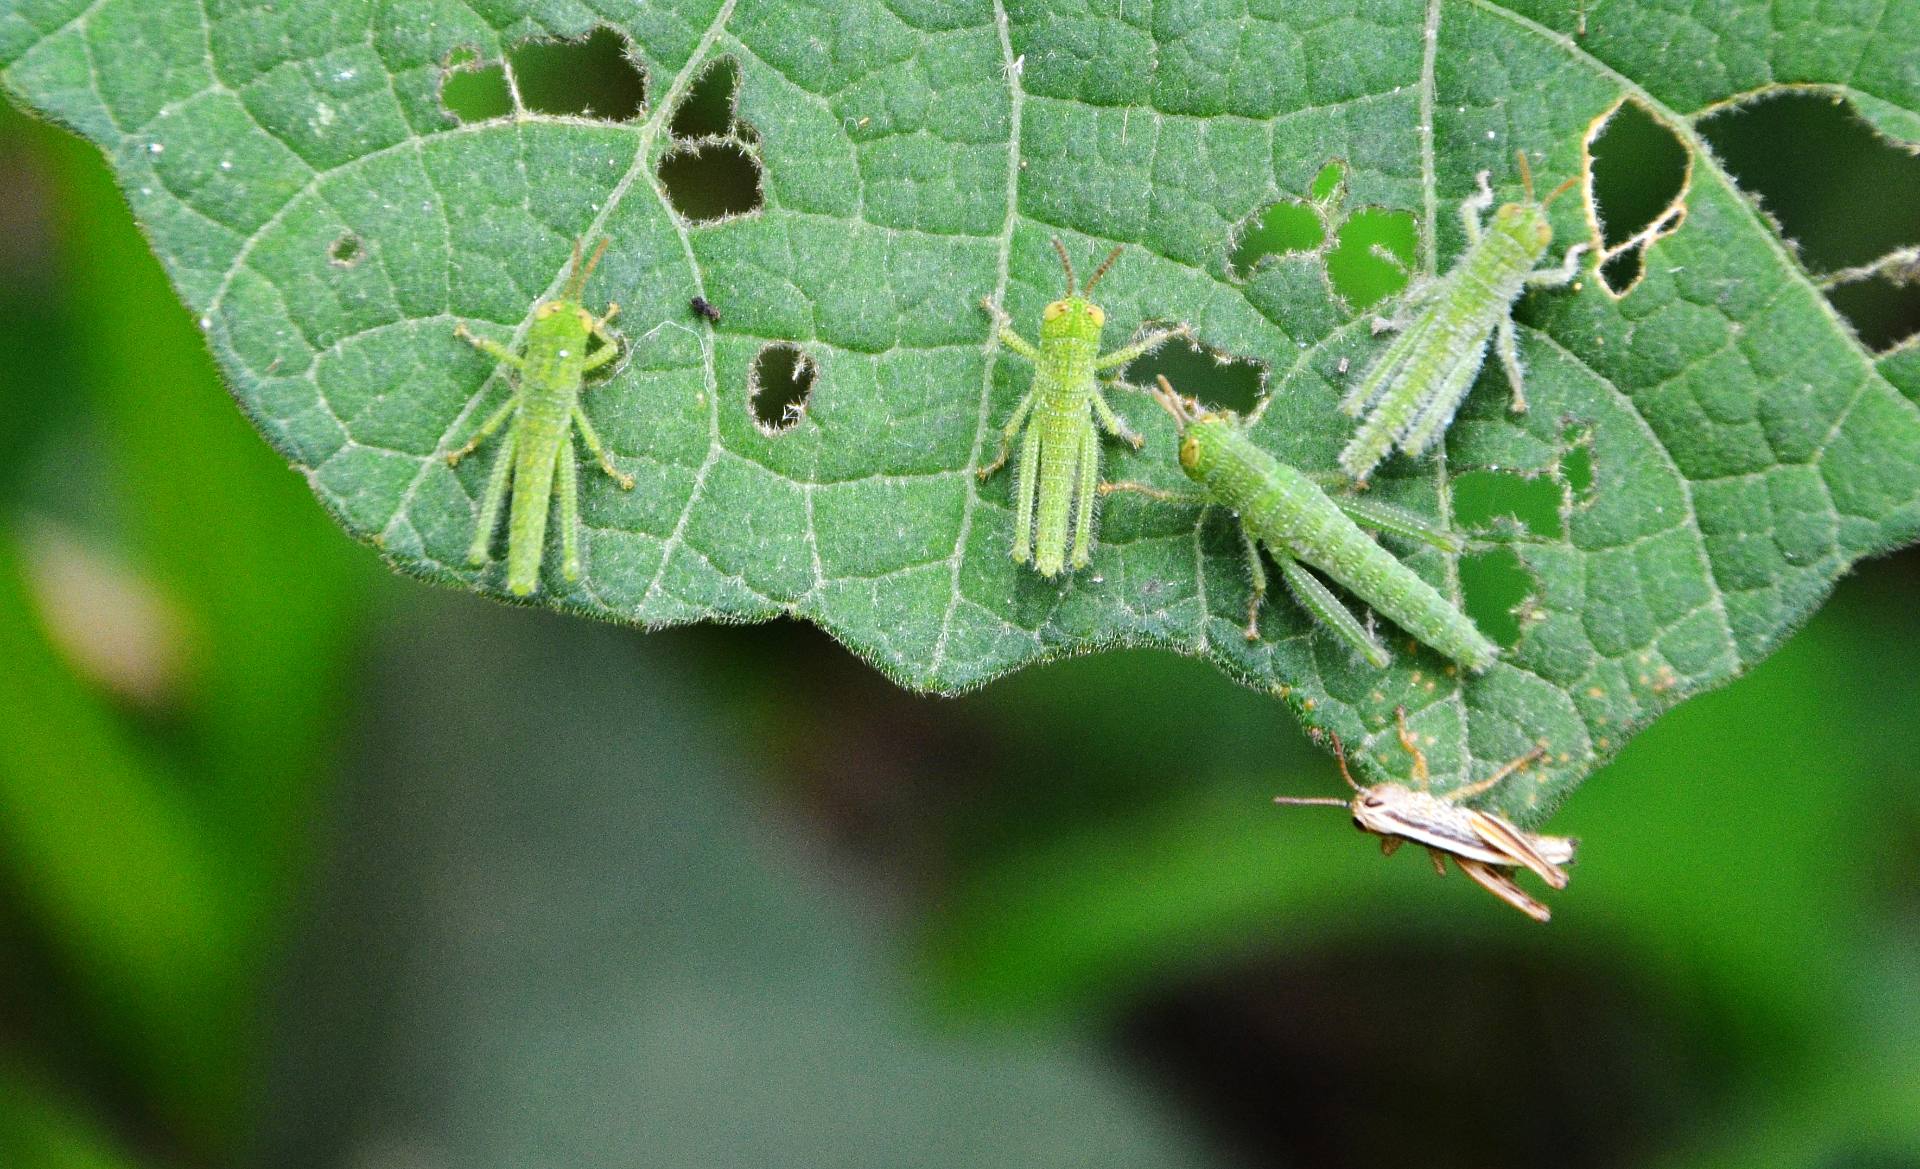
point(302, 864)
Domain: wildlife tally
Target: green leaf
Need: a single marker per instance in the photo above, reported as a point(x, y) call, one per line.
point(913, 157)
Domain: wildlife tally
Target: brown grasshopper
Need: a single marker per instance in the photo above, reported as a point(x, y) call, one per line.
point(1485, 846)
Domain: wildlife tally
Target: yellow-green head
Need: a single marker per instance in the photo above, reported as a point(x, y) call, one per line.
point(1526, 222)
point(1201, 430)
point(1075, 316)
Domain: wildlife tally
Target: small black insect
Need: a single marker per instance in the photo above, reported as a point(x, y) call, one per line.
point(704, 309)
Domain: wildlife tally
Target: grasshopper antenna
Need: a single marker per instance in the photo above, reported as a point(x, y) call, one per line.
point(1102, 269)
point(1171, 403)
point(1560, 190)
point(1526, 173)
point(1066, 262)
point(577, 283)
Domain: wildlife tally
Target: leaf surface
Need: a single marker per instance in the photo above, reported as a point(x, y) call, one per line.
point(328, 220)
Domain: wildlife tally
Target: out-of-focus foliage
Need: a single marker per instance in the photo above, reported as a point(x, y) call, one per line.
point(507, 936)
point(156, 777)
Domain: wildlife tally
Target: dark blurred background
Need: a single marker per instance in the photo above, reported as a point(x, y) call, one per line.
point(303, 864)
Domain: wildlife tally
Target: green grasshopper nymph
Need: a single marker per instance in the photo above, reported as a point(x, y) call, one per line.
point(1411, 392)
point(1060, 454)
point(1485, 846)
point(537, 452)
point(1300, 524)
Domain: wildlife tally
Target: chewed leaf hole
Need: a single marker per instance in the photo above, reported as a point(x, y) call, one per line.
point(346, 251)
point(1481, 497)
point(1841, 193)
point(779, 386)
point(1326, 184)
point(1367, 251)
point(475, 92)
point(1885, 311)
point(1496, 588)
point(1290, 226)
point(598, 76)
point(1576, 464)
point(707, 110)
point(714, 180)
point(1373, 256)
point(1638, 172)
point(1215, 378)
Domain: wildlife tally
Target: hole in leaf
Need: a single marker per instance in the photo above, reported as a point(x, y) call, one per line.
point(346, 251)
point(1327, 183)
point(1289, 226)
point(597, 77)
point(1841, 192)
point(1576, 463)
point(707, 110)
point(1639, 177)
point(1621, 272)
point(1359, 263)
point(711, 181)
point(778, 389)
point(1479, 497)
point(1883, 312)
point(1495, 584)
point(1215, 378)
point(473, 92)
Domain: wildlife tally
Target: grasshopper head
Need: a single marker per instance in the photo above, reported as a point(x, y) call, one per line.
point(1072, 316)
point(1200, 429)
point(1075, 315)
point(1527, 223)
point(1373, 807)
point(574, 316)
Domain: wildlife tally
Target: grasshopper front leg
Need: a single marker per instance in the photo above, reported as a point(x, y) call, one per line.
point(1140, 348)
point(1475, 205)
point(609, 340)
point(491, 348)
point(1003, 329)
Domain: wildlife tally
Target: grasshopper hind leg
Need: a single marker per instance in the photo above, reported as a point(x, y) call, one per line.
point(492, 499)
point(1026, 495)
